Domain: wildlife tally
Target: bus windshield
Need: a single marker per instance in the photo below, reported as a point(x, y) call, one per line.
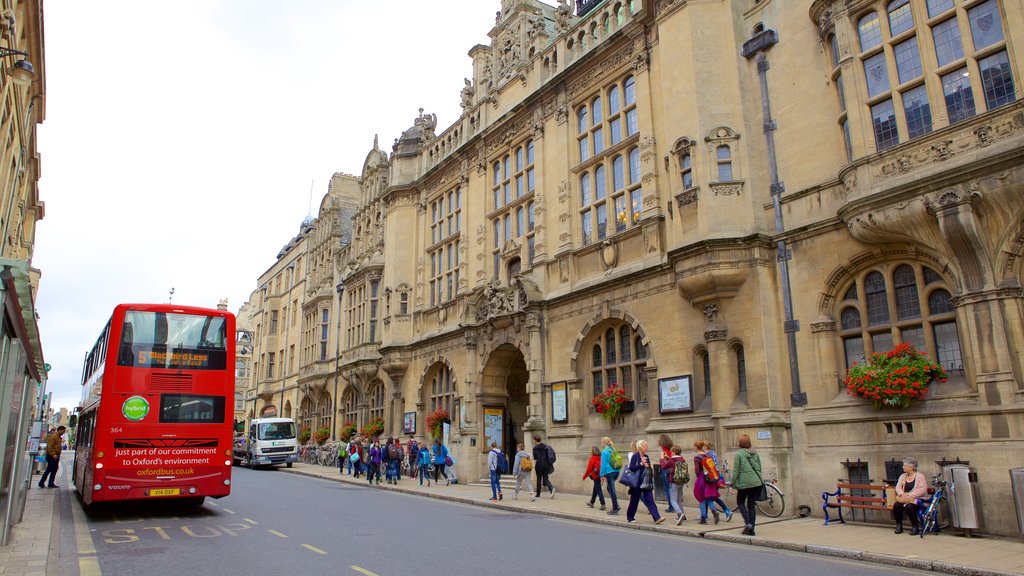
point(277, 431)
point(171, 340)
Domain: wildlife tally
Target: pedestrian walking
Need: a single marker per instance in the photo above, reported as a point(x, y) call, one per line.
point(641, 463)
point(710, 448)
point(665, 443)
point(394, 460)
point(424, 464)
point(705, 487)
point(544, 465)
point(440, 461)
point(53, 449)
point(354, 459)
point(593, 473)
point(747, 479)
point(412, 452)
point(494, 465)
point(676, 482)
point(342, 457)
point(376, 459)
point(609, 472)
point(522, 468)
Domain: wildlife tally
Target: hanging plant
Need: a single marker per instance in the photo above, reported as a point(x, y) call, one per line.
point(373, 428)
point(894, 378)
point(436, 420)
point(322, 434)
point(304, 435)
point(348, 429)
point(610, 402)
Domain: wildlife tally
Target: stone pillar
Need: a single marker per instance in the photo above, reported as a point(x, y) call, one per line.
point(535, 367)
point(825, 386)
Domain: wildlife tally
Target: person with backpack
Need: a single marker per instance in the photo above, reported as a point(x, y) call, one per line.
point(522, 468)
point(497, 464)
point(544, 465)
point(440, 461)
point(593, 473)
point(710, 448)
point(665, 443)
point(611, 463)
point(641, 463)
point(394, 460)
point(342, 457)
point(705, 488)
point(355, 447)
point(678, 477)
point(748, 481)
point(423, 461)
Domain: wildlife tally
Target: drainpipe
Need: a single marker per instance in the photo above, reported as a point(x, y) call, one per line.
point(758, 46)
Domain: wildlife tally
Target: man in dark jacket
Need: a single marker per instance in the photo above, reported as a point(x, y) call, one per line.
point(544, 465)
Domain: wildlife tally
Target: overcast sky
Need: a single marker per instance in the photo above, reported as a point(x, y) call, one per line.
point(182, 139)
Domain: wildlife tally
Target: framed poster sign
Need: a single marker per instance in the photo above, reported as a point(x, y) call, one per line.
point(494, 425)
point(675, 394)
point(409, 423)
point(559, 403)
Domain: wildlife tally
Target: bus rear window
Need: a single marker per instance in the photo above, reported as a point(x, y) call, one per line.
point(191, 409)
point(174, 341)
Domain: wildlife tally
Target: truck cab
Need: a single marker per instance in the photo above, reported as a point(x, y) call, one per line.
point(270, 441)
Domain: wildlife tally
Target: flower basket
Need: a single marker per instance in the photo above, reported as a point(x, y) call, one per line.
point(436, 421)
point(348, 429)
point(893, 379)
point(373, 428)
point(304, 435)
point(322, 434)
point(609, 404)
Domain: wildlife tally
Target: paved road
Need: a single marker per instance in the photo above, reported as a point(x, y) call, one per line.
point(275, 522)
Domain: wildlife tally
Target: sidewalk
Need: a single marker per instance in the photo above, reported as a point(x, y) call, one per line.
point(948, 553)
point(33, 546)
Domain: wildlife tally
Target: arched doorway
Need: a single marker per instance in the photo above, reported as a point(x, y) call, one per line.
point(503, 396)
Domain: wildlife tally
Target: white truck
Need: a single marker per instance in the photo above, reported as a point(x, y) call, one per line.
point(271, 441)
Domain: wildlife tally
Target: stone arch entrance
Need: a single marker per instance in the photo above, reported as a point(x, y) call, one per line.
point(504, 399)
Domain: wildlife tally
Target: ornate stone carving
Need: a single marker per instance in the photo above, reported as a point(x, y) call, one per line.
point(687, 197)
point(984, 135)
point(715, 335)
point(609, 254)
point(943, 150)
point(467, 94)
point(726, 189)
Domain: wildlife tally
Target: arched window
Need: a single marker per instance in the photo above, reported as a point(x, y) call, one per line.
point(741, 369)
point(349, 408)
point(323, 414)
point(900, 17)
point(442, 390)
point(866, 325)
point(306, 413)
point(619, 358)
point(724, 158)
point(376, 400)
point(869, 30)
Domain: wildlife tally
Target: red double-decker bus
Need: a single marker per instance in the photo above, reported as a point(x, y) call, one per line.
point(157, 406)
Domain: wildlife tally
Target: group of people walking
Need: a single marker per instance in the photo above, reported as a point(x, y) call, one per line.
point(369, 457)
point(605, 467)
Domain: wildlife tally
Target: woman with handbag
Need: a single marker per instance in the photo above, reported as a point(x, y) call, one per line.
point(746, 478)
point(643, 473)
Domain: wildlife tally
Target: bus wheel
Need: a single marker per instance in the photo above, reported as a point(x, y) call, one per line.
point(289, 464)
point(195, 501)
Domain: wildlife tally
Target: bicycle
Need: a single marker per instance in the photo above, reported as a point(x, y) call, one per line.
point(930, 518)
point(773, 507)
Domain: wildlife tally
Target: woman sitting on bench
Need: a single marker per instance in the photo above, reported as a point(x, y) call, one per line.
point(911, 486)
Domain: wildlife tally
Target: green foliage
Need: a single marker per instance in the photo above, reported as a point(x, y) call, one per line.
point(893, 379)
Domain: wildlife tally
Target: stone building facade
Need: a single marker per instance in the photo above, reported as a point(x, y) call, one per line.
point(743, 197)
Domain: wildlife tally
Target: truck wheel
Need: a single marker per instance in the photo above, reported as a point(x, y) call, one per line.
point(289, 464)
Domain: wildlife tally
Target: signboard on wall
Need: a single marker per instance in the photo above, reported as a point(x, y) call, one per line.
point(409, 423)
point(559, 403)
point(675, 394)
point(493, 425)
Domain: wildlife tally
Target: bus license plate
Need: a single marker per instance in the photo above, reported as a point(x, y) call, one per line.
point(165, 492)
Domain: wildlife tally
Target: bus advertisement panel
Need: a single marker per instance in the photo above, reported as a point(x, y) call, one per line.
point(154, 422)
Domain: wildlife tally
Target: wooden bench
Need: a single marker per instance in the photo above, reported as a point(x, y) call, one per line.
point(843, 498)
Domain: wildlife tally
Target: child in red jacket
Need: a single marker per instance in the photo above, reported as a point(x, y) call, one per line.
point(594, 473)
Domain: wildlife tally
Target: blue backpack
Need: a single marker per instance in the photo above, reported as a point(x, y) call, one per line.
point(502, 465)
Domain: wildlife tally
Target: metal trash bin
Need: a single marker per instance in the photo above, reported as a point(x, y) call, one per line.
point(961, 495)
point(1017, 486)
